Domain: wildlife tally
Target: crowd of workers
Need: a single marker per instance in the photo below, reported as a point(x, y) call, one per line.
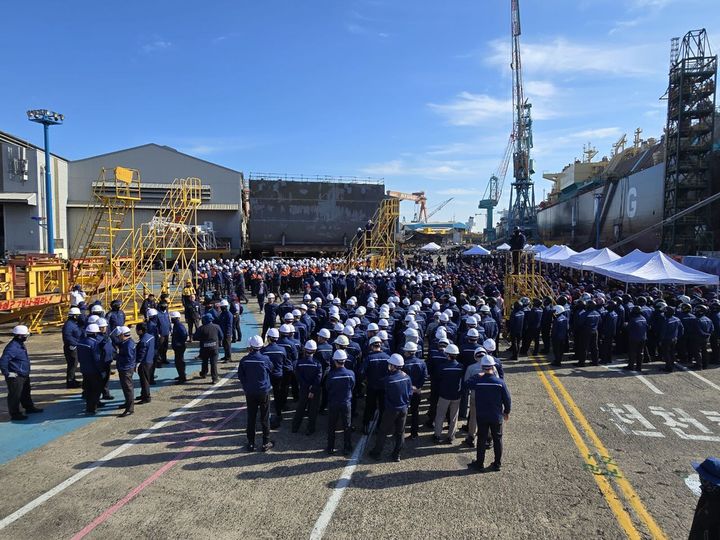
point(332, 340)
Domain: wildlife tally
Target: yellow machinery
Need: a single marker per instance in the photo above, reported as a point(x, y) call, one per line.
point(525, 280)
point(377, 248)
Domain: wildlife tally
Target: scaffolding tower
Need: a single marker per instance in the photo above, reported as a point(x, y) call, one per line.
point(376, 246)
point(689, 140)
point(523, 279)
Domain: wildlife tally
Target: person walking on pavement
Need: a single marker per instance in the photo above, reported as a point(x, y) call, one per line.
point(340, 384)
point(225, 321)
point(375, 370)
point(178, 341)
point(125, 364)
point(450, 375)
point(308, 371)
point(144, 358)
point(706, 521)
point(254, 373)
point(107, 355)
point(15, 367)
point(417, 371)
point(637, 329)
point(398, 390)
point(91, 366)
point(71, 334)
point(210, 337)
point(492, 406)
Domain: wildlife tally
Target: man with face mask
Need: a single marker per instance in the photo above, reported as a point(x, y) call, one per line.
point(398, 390)
point(15, 366)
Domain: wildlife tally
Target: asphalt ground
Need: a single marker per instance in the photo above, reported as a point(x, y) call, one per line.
point(575, 466)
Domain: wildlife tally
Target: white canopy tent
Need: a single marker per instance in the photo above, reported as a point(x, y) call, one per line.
point(503, 247)
point(541, 256)
point(431, 247)
point(656, 267)
point(475, 251)
point(560, 255)
point(539, 248)
point(604, 256)
point(574, 261)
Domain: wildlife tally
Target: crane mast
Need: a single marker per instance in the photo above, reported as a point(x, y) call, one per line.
point(522, 212)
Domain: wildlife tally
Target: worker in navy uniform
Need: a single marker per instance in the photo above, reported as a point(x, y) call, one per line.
point(669, 333)
point(308, 372)
point(125, 363)
point(687, 319)
point(115, 317)
point(559, 334)
point(492, 406)
point(292, 350)
point(397, 394)
point(270, 313)
point(517, 243)
point(450, 375)
point(697, 341)
point(71, 334)
point(417, 371)
point(209, 337)
point(278, 357)
point(546, 324)
point(225, 321)
point(144, 358)
point(374, 370)
point(192, 315)
point(92, 367)
point(515, 328)
point(151, 327)
point(706, 521)
point(531, 328)
point(15, 367)
point(607, 332)
point(163, 337)
point(589, 331)
point(324, 354)
point(340, 383)
point(254, 373)
point(107, 353)
point(178, 340)
point(714, 317)
point(637, 328)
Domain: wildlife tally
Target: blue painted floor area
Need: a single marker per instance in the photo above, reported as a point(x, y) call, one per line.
point(64, 416)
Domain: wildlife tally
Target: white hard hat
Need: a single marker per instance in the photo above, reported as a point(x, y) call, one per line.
point(273, 333)
point(382, 334)
point(485, 309)
point(286, 296)
point(102, 323)
point(396, 360)
point(296, 313)
point(310, 345)
point(96, 309)
point(411, 332)
point(92, 329)
point(375, 339)
point(152, 312)
point(444, 317)
point(410, 347)
point(473, 333)
point(479, 350)
point(487, 361)
point(287, 329)
point(271, 296)
point(339, 356)
point(324, 332)
point(256, 342)
point(174, 314)
point(559, 310)
point(20, 330)
point(338, 327)
point(382, 323)
point(93, 319)
point(342, 340)
point(74, 311)
point(348, 331)
point(372, 327)
point(288, 317)
point(224, 303)
point(124, 330)
point(489, 345)
point(452, 349)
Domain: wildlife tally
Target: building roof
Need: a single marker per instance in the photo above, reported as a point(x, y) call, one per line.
point(160, 147)
point(12, 139)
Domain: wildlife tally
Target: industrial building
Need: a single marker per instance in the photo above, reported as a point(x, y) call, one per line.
point(22, 197)
point(292, 214)
point(221, 208)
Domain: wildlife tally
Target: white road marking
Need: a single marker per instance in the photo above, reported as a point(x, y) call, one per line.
point(29, 507)
point(693, 483)
point(643, 379)
point(698, 376)
point(337, 493)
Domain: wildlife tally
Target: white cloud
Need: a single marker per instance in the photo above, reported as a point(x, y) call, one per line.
point(402, 167)
point(209, 146)
point(540, 89)
point(564, 56)
point(156, 45)
point(460, 191)
point(599, 133)
point(470, 109)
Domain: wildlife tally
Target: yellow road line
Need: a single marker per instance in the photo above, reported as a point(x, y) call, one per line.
point(614, 502)
point(627, 489)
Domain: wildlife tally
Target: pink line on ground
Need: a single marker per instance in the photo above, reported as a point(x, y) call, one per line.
point(102, 518)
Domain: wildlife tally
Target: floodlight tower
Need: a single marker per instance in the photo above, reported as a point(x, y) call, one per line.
point(47, 119)
point(522, 212)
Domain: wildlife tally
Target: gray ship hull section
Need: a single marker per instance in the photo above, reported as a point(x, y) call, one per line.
point(637, 205)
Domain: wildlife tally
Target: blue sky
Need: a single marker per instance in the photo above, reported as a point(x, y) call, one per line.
point(413, 91)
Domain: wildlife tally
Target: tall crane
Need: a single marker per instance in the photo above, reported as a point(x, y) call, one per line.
point(493, 192)
point(522, 212)
point(420, 200)
point(438, 208)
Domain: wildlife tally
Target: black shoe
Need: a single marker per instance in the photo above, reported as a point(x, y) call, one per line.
point(375, 455)
point(447, 440)
point(180, 381)
point(176, 379)
point(202, 375)
point(107, 397)
point(347, 450)
point(475, 465)
point(33, 410)
point(250, 447)
point(494, 466)
point(121, 406)
point(579, 364)
point(268, 445)
point(142, 401)
point(469, 443)
point(628, 368)
point(215, 381)
point(396, 459)
point(18, 417)
point(330, 451)
point(153, 383)
point(414, 435)
point(100, 404)
point(125, 413)
point(465, 427)
point(89, 412)
point(72, 384)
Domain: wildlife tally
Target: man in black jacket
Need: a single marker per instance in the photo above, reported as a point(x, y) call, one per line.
point(517, 243)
